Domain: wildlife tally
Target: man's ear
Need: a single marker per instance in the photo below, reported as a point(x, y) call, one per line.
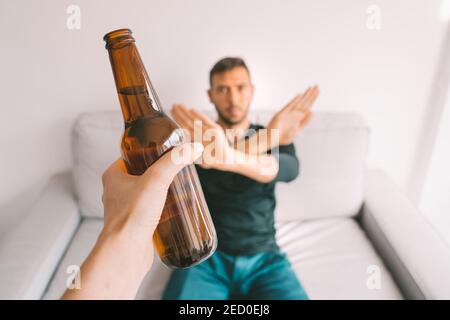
point(209, 95)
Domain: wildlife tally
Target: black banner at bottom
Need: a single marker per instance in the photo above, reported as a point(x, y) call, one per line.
point(238, 309)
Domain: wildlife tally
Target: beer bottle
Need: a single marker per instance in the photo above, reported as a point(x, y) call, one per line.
point(185, 235)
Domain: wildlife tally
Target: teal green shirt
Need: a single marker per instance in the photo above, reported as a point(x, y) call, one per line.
point(242, 209)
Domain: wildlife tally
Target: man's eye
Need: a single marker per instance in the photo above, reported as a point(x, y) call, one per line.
point(223, 90)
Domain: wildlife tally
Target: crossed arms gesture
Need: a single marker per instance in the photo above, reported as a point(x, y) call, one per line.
point(249, 157)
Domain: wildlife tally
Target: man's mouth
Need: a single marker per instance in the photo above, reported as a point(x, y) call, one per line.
point(234, 111)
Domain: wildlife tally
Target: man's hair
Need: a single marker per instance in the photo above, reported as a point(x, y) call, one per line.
point(226, 64)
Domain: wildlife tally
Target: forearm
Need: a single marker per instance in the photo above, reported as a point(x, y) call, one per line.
point(114, 269)
point(289, 167)
point(261, 167)
point(260, 142)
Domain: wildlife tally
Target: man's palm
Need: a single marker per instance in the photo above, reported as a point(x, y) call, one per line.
point(293, 118)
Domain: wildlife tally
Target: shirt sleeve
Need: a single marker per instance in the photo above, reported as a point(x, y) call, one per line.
point(288, 163)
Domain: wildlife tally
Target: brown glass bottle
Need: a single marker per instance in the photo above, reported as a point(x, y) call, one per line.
point(185, 235)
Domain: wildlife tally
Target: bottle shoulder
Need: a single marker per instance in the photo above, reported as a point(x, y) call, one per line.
point(156, 131)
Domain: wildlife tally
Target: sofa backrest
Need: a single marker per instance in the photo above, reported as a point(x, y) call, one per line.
point(332, 152)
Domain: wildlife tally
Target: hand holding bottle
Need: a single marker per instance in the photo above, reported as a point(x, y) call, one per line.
point(133, 204)
point(123, 253)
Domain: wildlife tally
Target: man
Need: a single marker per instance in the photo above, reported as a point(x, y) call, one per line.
point(239, 181)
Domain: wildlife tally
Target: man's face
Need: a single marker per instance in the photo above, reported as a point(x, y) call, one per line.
point(231, 93)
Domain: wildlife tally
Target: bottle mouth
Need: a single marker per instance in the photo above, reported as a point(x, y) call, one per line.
point(118, 38)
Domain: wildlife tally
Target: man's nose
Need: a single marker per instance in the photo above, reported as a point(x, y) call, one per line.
point(233, 96)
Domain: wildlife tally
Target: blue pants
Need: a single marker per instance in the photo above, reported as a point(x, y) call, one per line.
point(266, 275)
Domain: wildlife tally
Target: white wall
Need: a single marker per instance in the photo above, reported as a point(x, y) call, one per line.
point(435, 202)
point(49, 74)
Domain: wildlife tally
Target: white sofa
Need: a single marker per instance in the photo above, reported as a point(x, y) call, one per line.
point(348, 230)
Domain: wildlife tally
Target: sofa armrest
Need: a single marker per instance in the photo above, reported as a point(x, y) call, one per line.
point(32, 248)
point(417, 256)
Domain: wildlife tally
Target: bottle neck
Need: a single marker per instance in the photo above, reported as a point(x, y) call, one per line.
point(138, 98)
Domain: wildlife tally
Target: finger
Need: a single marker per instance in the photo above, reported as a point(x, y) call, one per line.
point(293, 103)
point(308, 99)
point(181, 115)
point(300, 102)
point(165, 168)
point(182, 121)
point(306, 120)
point(116, 170)
point(313, 96)
point(117, 167)
point(203, 118)
point(181, 108)
point(305, 97)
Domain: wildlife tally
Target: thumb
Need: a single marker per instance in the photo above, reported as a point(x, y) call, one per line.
point(167, 167)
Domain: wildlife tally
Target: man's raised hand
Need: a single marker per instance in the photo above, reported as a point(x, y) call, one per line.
point(293, 118)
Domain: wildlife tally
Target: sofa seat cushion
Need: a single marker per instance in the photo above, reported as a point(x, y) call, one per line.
point(334, 259)
point(80, 247)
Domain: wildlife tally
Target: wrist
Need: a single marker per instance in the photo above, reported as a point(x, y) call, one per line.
point(261, 142)
point(128, 244)
point(273, 138)
point(231, 156)
point(102, 272)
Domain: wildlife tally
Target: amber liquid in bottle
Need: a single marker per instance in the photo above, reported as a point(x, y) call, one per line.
point(185, 235)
